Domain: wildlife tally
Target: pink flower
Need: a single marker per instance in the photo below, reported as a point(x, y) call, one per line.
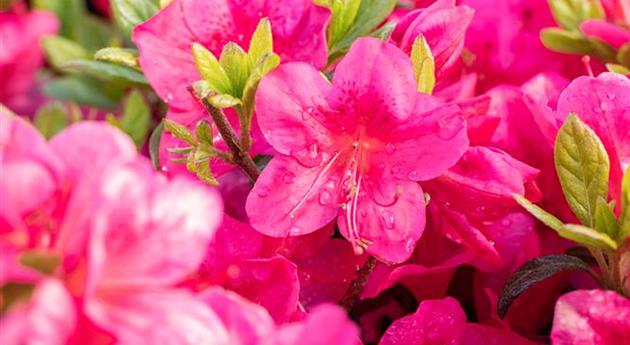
point(352, 150)
point(591, 317)
point(21, 56)
point(298, 28)
point(443, 25)
point(442, 322)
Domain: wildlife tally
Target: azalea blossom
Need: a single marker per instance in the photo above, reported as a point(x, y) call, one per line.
point(353, 149)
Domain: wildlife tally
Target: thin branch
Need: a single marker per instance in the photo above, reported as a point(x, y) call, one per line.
point(351, 296)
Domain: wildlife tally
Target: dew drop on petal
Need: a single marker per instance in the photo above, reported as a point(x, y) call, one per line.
point(413, 175)
point(388, 219)
point(263, 191)
point(288, 177)
point(606, 106)
point(448, 128)
point(295, 231)
point(396, 169)
point(325, 198)
point(611, 96)
point(390, 148)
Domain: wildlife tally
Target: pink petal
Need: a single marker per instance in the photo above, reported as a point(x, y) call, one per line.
point(431, 141)
point(105, 145)
point(373, 84)
point(591, 317)
point(612, 34)
point(390, 229)
point(289, 104)
point(329, 323)
point(246, 322)
point(303, 194)
point(157, 317)
point(443, 25)
point(48, 318)
point(146, 231)
point(435, 322)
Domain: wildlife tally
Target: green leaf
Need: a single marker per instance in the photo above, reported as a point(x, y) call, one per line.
point(82, 90)
point(344, 13)
point(154, 145)
point(605, 221)
point(582, 166)
point(136, 118)
point(51, 119)
point(563, 41)
point(267, 64)
point(570, 14)
point(67, 11)
point(423, 65)
point(203, 132)
point(120, 56)
point(42, 261)
point(587, 236)
point(623, 55)
point(223, 101)
point(106, 71)
point(624, 220)
point(535, 271)
point(540, 214)
point(261, 42)
point(179, 131)
point(129, 13)
point(235, 63)
point(204, 174)
point(602, 50)
point(60, 50)
point(617, 69)
point(210, 70)
point(370, 14)
point(94, 33)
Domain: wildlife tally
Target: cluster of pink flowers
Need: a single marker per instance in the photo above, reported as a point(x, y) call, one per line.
point(320, 172)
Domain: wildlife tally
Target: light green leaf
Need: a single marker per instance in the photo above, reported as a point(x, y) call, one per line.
point(106, 71)
point(615, 68)
point(164, 3)
point(204, 174)
point(179, 131)
point(582, 166)
point(587, 236)
point(370, 14)
point(223, 101)
point(210, 70)
point(60, 50)
point(203, 131)
point(235, 63)
point(605, 220)
point(120, 56)
point(267, 64)
point(563, 41)
point(570, 14)
point(624, 220)
point(136, 118)
point(602, 50)
point(344, 13)
point(261, 42)
point(51, 119)
point(423, 65)
point(129, 13)
point(82, 90)
point(540, 214)
point(623, 55)
point(154, 145)
point(67, 11)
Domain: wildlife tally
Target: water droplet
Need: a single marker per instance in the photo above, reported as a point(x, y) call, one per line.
point(413, 175)
point(288, 177)
point(259, 14)
point(396, 169)
point(240, 37)
point(596, 109)
point(309, 110)
point(262, 273)
point(295, 231)
point(313, 151)
point(263, 191)
point(606, 106)
point(363, 213)
point(449, 127)
point(325, 197)
point(388, 219)
point(308, 156)
point(611, 96)
point(169, 98)
point(390, 148)
point(506, 222)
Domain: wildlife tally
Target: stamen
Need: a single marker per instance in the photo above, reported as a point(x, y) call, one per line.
point(586, 60)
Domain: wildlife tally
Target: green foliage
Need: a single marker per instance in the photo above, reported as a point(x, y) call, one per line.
point(582, 166)
point(136, 118)
point(129, 13)
point(587, 236)
point(423, 65)
point(121, 56)
point(60, 50)
point(106, 71)
point(51, 119)
point(569, 14)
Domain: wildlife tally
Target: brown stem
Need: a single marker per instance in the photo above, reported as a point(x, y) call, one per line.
point(240, 157)
point(351, 296)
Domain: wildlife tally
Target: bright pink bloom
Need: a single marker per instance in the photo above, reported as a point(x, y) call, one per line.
point(443, 25)
point(298, 28)
point(591, 317)
point(353, 150)
point(21, 56)
point(612, 34)
point(504, 38)
point(443, 322)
